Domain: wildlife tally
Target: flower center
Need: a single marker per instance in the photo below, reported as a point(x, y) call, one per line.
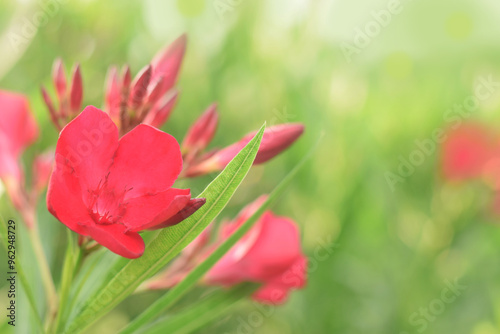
point(106, 205)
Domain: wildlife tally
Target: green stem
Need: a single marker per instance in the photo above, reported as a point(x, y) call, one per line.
point(85, 277)
point(69, 270)
point(46, 276)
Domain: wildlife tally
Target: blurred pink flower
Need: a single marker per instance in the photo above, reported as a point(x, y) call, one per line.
point(472, 151)
point(468, 151)
point(42, 168)
point(270, 254)
point(18, 130)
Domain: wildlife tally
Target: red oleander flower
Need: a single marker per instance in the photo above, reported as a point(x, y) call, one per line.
point(111, 188)
point(276, 139)
point(18, 130)
point(269, 253)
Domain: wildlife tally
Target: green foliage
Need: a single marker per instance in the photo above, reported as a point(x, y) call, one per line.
point(169, 242)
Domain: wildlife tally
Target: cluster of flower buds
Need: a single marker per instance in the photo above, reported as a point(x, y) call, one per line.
point(197, 162)
point(149, 98)
point(69, 97)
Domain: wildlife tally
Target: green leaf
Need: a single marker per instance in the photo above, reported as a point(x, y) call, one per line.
point(66, 281)
point(20, 273)
point(169, 242)
point(205, 311)
point(173, 295)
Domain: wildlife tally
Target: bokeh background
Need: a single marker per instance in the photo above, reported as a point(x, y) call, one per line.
point(394, 248)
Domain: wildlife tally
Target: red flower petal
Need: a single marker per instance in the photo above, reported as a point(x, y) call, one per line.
point(116, 238)
point(266, 251)
point(271, 294)
point(147, 161)
point(191, 207)
point(276, 249)
point(272, 251)
point(147, 211)
point(276, 291)
point(64, 197)
point(88, 143)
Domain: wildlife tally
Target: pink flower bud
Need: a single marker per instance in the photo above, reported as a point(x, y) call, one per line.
point(167, 63)
point(76, 93)
point(159, 115)
point(59, 79)
point(276, 139)
point(113, 94)
point(155, 91)
point(140, 87)
point(126, 78)
point(200, 134)
point(54, 117)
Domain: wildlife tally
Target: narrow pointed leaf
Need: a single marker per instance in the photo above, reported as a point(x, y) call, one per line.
point(204, 312)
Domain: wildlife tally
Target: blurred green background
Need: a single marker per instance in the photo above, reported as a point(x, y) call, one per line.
point(373, 88)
